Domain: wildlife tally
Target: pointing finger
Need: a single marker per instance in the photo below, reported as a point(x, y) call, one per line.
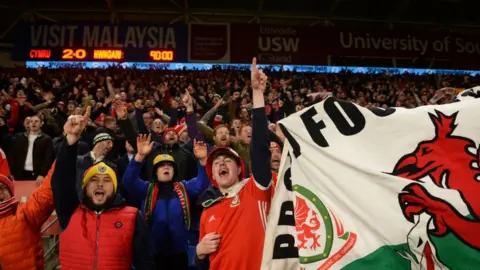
point(254, 64)
point(88, 112)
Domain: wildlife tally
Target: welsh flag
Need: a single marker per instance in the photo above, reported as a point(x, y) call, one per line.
point(378, 188)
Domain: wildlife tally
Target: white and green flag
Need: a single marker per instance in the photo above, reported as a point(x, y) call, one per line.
point(378, 188)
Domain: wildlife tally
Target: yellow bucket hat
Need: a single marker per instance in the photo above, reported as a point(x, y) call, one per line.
point(163, 158)
point(100, 168)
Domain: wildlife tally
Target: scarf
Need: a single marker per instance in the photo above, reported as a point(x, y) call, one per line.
point(152, 196)
point(7, 206)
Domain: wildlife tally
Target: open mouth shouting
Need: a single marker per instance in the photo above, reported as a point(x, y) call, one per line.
point(223, 172)
point(99, 194)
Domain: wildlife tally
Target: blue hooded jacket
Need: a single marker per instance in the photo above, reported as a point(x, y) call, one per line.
point(168, 233)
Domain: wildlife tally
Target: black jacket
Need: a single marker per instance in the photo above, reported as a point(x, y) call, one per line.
point(122, 164)
point(43, 154)
point(66, 202)
point(82, 146)
point(184, 158)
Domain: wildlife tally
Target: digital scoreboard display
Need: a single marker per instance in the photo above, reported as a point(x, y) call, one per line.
point(101, 42)
point(110, 55)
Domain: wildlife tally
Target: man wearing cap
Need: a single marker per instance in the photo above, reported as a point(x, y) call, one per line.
point(166, 201)
point(232, 226)
point(21, 223)
point(98, 232)
point(102, 145)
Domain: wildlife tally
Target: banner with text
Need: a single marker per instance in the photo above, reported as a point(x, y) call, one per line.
point(313, 45)
point(275, 45)
point(209, 43)
point(137, 42)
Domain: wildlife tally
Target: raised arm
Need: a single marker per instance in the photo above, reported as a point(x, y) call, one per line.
point(126, 126)
point(260, 144)
point(197, 185)
point(64, 189)
point(39, 205)
point(136, 187)
point(190, 119)
point(210, 113)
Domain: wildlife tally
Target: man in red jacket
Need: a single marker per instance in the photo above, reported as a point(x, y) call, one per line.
point(100, 232)
point(232, 225)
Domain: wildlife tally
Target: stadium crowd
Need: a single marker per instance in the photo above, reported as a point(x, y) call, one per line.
point(173, 144)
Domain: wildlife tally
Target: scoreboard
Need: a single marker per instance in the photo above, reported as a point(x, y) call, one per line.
point(101, 42)
point(110, 55)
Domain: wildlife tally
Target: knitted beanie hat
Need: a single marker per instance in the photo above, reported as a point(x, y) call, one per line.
point(100, 137)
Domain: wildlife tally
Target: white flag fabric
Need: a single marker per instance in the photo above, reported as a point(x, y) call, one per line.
point(280, 246)
point(381, 188)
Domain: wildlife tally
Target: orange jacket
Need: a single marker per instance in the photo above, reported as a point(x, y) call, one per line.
point(20, 237)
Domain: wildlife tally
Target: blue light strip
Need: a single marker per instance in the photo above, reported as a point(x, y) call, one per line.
point(297, 68)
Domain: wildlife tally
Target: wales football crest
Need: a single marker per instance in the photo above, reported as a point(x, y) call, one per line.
point(321, 239)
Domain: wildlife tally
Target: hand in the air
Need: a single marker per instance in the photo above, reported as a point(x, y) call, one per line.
point(200, 150)
point(219, 103)
point(144, 145)
point(187, 99)
point(75, 125)
point(159, 111)
point(258, 78)
point(120, 110)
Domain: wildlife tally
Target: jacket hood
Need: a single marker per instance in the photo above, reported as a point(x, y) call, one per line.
point(209, 196)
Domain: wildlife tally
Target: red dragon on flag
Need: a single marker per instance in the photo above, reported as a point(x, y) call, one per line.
point(451, 162)
point(306, 227)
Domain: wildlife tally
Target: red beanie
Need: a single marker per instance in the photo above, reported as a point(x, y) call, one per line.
point(180, 128)
point(274, 145)
point(168, 130)
point(9, 183)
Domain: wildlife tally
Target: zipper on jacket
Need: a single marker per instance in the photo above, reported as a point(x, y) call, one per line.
point(96, 241)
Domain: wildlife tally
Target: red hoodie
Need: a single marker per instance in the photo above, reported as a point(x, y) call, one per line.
point(14, 113)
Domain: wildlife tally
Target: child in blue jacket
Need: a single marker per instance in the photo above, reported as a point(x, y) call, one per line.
point(166, 202)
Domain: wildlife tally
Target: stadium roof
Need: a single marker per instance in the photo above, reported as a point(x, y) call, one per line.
point(437, 15)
